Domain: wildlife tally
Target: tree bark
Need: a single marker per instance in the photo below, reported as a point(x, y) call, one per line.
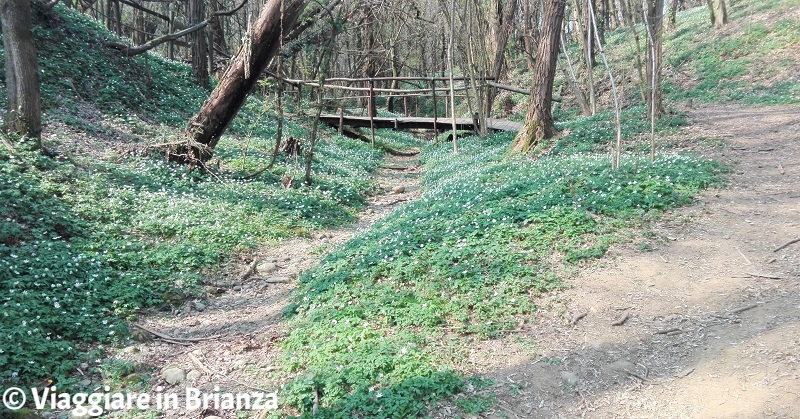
point(539, 119)
point(503, 32)
point(242, 75)
point(197, 14)
point(718, 13)
point(654, 25)
point(24, 116)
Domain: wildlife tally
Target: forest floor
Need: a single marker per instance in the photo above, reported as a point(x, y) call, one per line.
point(227, 339)
point(711, 311)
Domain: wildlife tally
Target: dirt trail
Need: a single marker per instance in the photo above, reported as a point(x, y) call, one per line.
point(242, 317)
point(713, 327)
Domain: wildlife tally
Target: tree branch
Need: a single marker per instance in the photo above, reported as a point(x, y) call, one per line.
point(130, 51)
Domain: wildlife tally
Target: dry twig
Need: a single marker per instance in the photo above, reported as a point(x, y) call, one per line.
point(743, 309)
point(622, 319)
point(576, 318)
point(787, 244)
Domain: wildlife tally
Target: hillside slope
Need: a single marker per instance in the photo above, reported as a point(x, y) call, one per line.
point(105, 227)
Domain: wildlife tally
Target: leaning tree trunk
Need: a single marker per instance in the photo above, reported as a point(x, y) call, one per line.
point(539, 119)
point(242, 76)
point(24, 116)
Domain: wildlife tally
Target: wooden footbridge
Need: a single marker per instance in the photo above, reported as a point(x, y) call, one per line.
point(407, 123)
point(438, 89)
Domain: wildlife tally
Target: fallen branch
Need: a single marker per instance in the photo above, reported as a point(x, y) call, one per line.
point(763, 276)
point(8, 145)
point(576, 318)
point(175, 342)
point(787, 244)
point(255, 174)
point(200, 364)
point(396, 201)
point(745, 257)
point(622, 319)
point(743, 309)
point(173, 339)
point(666, 331)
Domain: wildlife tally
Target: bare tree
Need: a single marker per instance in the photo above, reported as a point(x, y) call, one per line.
point(539, 119)
point(654, 12)
point(24, 116)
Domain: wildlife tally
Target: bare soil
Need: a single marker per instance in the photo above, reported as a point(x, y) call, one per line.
point(713, 311)
point(227, 339)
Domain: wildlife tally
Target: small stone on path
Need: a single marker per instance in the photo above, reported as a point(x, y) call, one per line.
point(569, 377)
point(173, 375)
point(194, 375)
point(267, 268)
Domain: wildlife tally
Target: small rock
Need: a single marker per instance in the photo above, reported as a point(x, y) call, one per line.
point(197, 352)
point(74, 415)
point(199, 306)
point(398, 189)
point(84, 366)
point(278, 280)
point(85, 383)
point(194, 375)
point(266, 268)
point(621, 366)
point(212, 290)
point(173, 375)
point(237, 288)
point(569, 377)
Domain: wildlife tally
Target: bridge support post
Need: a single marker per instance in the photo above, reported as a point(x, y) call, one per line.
point(435, 116)
point(341, 121)
point(371, 110)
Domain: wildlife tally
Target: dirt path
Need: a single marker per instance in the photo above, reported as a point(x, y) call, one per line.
point(244, 315)
point(713, 327)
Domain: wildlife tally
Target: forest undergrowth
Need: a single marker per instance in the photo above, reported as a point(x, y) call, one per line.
point(91, 235)
point(101, 228)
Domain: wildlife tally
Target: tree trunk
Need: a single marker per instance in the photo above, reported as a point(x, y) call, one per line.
point(370, 68)
point(539, 119)
point(504, 31)
point(24, 116)
point(718, 13)
point(218, 29)
point(530, 34)
point(673, 11)
point(242, 75)
point(197, 14)
point(654, 20)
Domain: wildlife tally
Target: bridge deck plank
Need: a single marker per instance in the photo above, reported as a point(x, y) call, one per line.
point(442, 124)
